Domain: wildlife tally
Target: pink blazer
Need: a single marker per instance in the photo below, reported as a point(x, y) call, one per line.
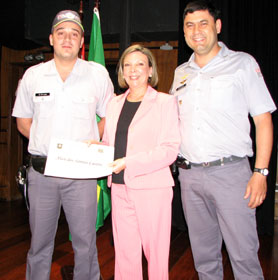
point(153, 139)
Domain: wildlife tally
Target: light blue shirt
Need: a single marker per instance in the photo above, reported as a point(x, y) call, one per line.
point(214, 104)
point(65, 110)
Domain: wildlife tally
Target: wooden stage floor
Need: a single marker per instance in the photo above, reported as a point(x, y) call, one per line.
point(15, 241)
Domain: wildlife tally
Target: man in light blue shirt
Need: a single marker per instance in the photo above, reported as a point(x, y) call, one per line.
point(217, 89)
point(60, 98)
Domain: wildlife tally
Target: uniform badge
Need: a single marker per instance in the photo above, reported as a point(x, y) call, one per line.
point(184, 78)
point(258, 71)
point(182, 82)
point(59, 146)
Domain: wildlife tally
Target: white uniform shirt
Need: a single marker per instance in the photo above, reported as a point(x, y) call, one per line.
point(214, 104)
point(60, 109)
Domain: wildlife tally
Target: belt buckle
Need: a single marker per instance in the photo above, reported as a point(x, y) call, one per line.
point(222, 161)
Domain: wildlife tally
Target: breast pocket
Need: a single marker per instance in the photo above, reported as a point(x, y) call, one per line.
point(43, 105)
point(83, 107)
point(222, 92)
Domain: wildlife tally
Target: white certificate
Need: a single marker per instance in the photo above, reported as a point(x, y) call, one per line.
point(77, 160)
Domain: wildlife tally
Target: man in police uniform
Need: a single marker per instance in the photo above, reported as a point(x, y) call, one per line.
point(60, 98)
point(216, 90)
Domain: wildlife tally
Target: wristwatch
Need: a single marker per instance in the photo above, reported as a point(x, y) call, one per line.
point(263, 171)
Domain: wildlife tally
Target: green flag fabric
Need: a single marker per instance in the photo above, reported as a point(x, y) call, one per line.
point(96, 53)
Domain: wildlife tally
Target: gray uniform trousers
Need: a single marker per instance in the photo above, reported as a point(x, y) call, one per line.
point(215, 209)
point(79, 201)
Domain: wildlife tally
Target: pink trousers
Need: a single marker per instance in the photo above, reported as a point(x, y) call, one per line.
point(141, 219)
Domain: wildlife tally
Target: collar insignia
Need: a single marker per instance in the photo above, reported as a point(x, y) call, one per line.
point(184, 78)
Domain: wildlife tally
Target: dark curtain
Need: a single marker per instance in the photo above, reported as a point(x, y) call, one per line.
point(251, 26)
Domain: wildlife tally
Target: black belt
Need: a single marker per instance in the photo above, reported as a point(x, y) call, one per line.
point(38, 163)
point(181, 162)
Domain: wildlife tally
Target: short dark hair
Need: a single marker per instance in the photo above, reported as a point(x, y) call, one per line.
point(202, 5)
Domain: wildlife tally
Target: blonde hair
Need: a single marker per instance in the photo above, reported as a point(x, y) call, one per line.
point(153, 80)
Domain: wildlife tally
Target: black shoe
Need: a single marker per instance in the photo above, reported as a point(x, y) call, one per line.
point(67, 272)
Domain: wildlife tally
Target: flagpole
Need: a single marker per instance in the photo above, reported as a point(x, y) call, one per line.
point(96, 54)
point(97, 4)
point(81, 14)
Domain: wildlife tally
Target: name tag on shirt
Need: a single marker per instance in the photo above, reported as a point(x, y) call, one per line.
point(42, 96)
point(180, 87)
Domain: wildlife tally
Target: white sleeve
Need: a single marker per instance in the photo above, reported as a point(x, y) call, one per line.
point(257, 94)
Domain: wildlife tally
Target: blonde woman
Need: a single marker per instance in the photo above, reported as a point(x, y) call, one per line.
point(142, 124)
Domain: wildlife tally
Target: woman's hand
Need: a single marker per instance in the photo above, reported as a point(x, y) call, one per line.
point(118, 165)
point(90, 142)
